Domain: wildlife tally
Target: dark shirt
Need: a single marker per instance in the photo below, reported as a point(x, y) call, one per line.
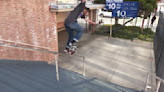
point(75, 13)
point(82, 15)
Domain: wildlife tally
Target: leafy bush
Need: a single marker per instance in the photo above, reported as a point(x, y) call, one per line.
point(128, 32)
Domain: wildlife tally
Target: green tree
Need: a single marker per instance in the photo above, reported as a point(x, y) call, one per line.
point(99, 1)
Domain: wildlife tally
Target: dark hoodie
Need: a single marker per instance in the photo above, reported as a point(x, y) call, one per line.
point(75, 13)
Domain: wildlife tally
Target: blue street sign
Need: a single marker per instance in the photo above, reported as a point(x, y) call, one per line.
point(129, 9)
point(113, 4)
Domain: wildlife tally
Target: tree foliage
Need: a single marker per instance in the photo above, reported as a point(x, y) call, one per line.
point(145, 6)
point(99, 1)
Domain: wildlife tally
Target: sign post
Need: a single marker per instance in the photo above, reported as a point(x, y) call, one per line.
point(113, 5)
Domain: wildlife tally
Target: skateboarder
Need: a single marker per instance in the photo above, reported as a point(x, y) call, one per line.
point(71, 26)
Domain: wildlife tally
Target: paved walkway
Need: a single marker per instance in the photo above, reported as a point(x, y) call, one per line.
point(114, 60)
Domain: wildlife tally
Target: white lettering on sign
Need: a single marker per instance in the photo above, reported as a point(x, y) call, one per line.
point(125, 8)
point(133, 8)
point(112, 6)
point(129, 4)
point(121, 13)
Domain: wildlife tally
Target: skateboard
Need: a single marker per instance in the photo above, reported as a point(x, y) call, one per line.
point(72, 50)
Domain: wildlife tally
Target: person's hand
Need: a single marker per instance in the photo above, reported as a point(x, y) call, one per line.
point(94, 23)
point(83, 1)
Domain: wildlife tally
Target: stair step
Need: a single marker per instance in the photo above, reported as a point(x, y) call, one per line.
point(52, 71)
point(15, 84)
point(19, 71)
point(5, 88)
point(39, 78)
point(112, 86)
point(50, 74)
point(21, 79)
point(81, 79)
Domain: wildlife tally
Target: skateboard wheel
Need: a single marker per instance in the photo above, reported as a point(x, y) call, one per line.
point(70, 53)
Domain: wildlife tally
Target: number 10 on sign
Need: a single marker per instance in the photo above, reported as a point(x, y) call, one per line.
point(112, 6)
point(121, 13)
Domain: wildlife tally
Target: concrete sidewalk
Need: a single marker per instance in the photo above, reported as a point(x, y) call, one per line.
point(114, 60)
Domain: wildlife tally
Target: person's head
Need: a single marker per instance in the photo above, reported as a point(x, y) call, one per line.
point(86, 11)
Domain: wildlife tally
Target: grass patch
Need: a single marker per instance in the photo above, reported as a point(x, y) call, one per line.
point(127, 32)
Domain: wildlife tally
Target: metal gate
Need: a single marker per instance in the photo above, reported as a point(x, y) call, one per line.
point(159, 49)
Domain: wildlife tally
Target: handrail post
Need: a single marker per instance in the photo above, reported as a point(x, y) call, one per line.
point(57, 72)
point(83, 66)
point(147, 81)
point(158, 85)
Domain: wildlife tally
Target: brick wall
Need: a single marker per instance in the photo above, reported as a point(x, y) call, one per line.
point(31, 22)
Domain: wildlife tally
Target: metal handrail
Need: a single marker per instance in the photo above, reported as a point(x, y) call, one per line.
point(158, 83)
point(56, 61)
point(23, 44)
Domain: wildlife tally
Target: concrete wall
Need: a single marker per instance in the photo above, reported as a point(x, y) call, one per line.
point(61, 16)
point(93, 17)
point(60, 20)
point(65, 1)
point(31, 22)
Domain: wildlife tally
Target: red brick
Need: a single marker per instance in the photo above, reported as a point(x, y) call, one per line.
point(27, 21)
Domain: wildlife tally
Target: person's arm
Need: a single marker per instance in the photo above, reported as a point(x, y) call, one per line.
point(81, 5)
point(83, 1)
point(88, 20)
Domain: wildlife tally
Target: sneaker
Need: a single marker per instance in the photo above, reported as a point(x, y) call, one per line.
point(72, 44)
point(66, 51)
point(74, 48)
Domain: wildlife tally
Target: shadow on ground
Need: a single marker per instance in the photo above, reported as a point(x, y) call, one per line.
point(117, 61)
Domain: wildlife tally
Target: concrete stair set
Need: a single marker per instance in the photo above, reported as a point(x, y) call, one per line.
point(38, 76)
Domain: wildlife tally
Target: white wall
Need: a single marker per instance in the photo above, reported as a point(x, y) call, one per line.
point(160, 7)
point(61, 16)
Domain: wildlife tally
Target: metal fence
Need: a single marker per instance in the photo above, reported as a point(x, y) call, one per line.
point(159, 49)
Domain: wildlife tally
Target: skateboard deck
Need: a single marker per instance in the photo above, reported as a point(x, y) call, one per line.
point(72, 51)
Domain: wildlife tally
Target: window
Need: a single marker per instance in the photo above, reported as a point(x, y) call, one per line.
point(104, 10)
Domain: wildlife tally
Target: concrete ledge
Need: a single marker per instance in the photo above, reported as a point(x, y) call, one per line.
point(61, 29)
point(65, 7)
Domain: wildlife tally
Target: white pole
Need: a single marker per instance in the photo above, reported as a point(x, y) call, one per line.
point(57, 72)
point(158, 85)
point(83, 66)
point(147, 81)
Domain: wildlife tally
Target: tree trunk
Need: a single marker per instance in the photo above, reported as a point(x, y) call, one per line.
point(143, 24)
point(116, 20)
